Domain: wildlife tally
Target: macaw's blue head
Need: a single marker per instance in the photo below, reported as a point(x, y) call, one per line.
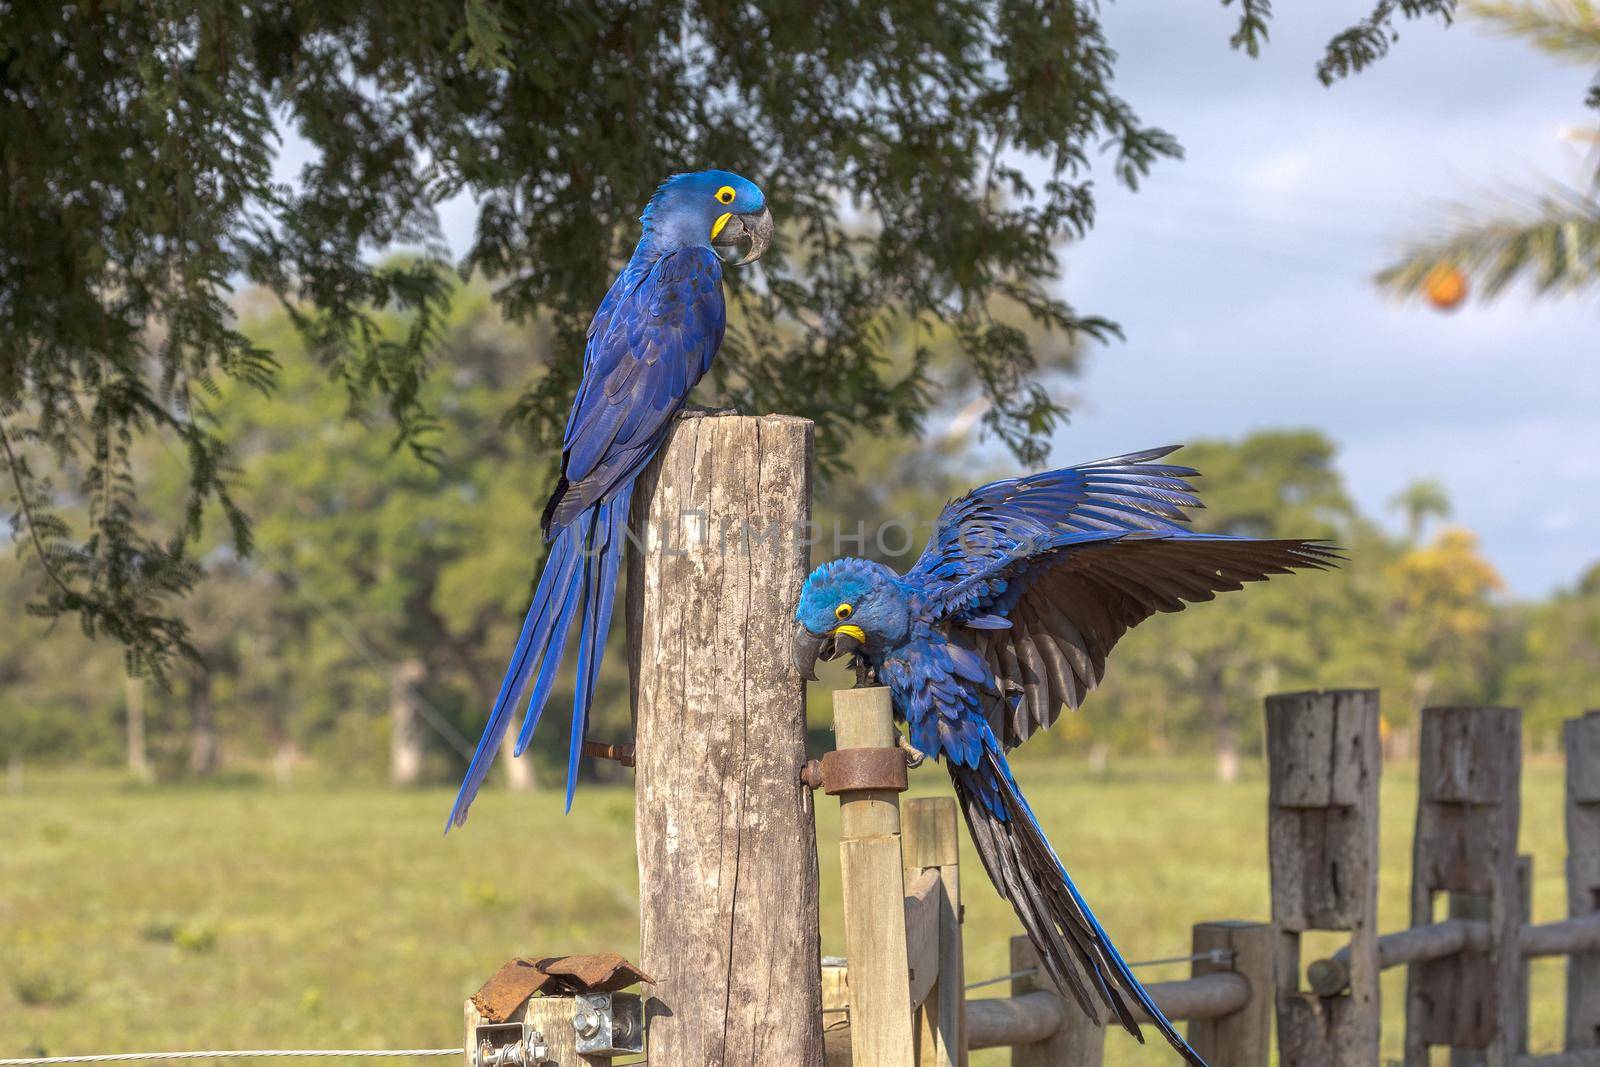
point(848, 606)
point(711, 208)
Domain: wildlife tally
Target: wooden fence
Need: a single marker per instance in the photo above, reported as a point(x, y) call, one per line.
point(898, 1002)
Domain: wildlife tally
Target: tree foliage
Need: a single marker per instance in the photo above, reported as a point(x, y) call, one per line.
point(1444, 618)
point(924, 157)
point(1555, 670)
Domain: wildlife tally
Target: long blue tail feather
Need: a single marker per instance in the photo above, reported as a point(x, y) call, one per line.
point(550, 662)
point(600, 587)
point(557, 589)
point(1022, 864)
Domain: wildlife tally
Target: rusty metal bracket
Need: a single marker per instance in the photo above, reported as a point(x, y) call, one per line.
point(857, 770)
point(622, 753)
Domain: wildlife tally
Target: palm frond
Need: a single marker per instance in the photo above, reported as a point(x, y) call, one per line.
point(1569, 29)
point(1553, 244)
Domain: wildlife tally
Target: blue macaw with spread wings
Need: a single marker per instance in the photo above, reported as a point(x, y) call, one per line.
point(1009, 614)
point(653, 337)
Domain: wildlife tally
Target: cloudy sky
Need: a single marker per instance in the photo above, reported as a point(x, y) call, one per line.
point(1241, 275)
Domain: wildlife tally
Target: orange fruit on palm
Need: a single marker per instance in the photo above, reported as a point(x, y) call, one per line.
point(1445, 287)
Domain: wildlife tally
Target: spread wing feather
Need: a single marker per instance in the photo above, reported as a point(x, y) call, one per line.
point(1073, 559)
point(1076, 602)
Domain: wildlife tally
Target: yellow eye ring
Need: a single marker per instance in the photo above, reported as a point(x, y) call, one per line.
point(725, 195)
point(843, 611)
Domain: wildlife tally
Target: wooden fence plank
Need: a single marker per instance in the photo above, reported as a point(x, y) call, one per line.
point(727, 844)
point(1469, 792)
point(1583, 875)
point(929, 842)
point(873, 886)
point(1324, 763)
point(1078, 1040)
point(922, 936)
point(1241, 1038)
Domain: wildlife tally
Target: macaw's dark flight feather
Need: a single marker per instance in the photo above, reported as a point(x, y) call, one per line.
point(1068, 607)
point(1073, 559)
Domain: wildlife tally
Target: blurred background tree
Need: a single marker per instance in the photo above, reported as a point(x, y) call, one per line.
point(363, 637)
point(1556, 666)
point(1418, 502)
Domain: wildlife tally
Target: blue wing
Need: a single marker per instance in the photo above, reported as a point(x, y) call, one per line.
point(648, 346)
point(1042, 575)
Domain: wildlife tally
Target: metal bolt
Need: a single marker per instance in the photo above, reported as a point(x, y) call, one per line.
point(586, 1020)
point(528, 1052)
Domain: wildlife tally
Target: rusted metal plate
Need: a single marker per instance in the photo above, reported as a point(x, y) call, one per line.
point(508, 990)
point(852, 770)
point(521, 978)
point(600, 972)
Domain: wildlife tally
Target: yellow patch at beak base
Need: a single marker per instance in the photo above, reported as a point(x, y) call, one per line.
point(722, 220)
point(852, 631)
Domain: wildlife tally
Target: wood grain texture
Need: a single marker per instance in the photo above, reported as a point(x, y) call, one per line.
point(930, 841)
point(1469, 793)
point(727, 846)
point(1324, 762)
point(922, 934)
point(872, 880)
point(1241, 1038)
point(1582, 737)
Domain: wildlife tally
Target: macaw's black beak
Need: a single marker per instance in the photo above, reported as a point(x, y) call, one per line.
point(753, 228)
point(809, 648)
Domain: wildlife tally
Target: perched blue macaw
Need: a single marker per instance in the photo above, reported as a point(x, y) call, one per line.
point(653, 337)
point(1007, 615)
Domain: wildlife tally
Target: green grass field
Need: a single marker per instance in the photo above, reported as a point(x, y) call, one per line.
point(174, 918)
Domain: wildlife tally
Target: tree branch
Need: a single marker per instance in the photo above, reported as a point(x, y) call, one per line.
point(14, 467)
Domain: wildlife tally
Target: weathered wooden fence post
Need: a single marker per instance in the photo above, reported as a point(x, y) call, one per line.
point(1079, 1040)
point(1583, 875)
point(727, 846)
point(930, 841)
point(1241, 1038)
point(1324, 759)
point(1469, 790)
point(873, 885)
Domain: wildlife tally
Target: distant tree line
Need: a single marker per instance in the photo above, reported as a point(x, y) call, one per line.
point(365, 635)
